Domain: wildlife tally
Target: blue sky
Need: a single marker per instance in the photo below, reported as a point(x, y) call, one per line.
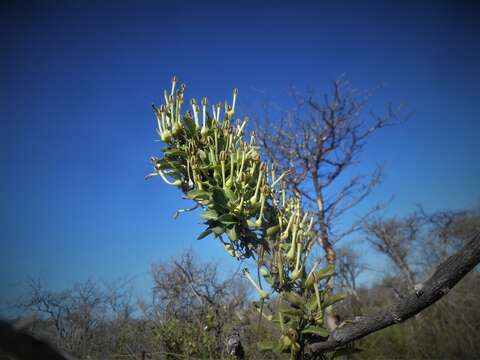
point(78, 78)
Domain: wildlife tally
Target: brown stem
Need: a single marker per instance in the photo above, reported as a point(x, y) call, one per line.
point(446, 276)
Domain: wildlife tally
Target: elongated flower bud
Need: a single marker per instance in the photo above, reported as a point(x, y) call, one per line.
point(284, 235)
point(204, 115)
point(310, 277)
point(258, 222)
point(291, 252)
point(235, 93)
point(174, 82)
point(263, 294)
point(193, 103)
point(254, 198)
point(298, 268)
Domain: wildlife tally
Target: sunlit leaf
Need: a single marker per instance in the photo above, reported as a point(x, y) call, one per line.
point(228, 219)
point(330, 300)
point(209, 215)
point(316, 330)
point(204, 234)
point(232, 234)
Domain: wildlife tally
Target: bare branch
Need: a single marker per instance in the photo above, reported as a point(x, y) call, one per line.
point(447, 275)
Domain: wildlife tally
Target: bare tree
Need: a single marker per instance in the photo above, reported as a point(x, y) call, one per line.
point(74, 313)
point(395, 239)
point(445, 277)
point(348, 269)
point(88, 318)
point(195, 292)
point(318, 142)
point(446, 232)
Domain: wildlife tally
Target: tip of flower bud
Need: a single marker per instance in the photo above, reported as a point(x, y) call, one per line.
point(235, 91)
point(205, 101)
point(264, 271)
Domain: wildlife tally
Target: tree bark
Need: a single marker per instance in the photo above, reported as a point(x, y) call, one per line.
point(446, 276)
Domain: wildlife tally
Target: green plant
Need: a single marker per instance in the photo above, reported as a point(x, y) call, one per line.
point(246, 201)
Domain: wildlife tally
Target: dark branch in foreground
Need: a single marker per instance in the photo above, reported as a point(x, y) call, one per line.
point(26, 347)
point(446, 276)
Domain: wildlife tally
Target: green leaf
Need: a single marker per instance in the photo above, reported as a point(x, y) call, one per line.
point(232, 234)
point(287, 310)
point(218, 230)
point(230, 195)
point(198, 194)
point(326, 272)
point(176, 165)
point(204, 234)
point(273, 230)
point(330, 300)
point(284, 343)
point(174, 152)
point(227, 219)
point(189, 124)
point(312, 303)
point(209, 215)
point(293, 298)
point(251, 223)
point(316, 330)
point(219, 198)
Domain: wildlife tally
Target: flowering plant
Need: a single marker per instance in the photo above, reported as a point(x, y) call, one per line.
point(247, 206)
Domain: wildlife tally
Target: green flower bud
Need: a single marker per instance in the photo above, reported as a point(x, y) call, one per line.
point(263, 294)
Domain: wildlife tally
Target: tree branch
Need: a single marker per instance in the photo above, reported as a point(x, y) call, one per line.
point(447, 275)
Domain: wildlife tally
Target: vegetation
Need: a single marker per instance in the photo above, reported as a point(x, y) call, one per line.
point(245, 200)
point(261, 208)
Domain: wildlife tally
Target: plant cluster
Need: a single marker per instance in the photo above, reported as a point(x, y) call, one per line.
point(247, 206)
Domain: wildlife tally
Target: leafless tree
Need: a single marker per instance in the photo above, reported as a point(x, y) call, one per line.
point(445, 277)
point(395, 238)
point(87, 318)
point(446, 232)
point(319, 141)
point(348, 269)
point(193, 291)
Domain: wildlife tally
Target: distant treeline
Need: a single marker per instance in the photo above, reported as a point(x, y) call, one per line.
point(194, 310)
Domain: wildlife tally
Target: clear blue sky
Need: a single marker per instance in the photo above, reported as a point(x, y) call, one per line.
point(78, 78)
